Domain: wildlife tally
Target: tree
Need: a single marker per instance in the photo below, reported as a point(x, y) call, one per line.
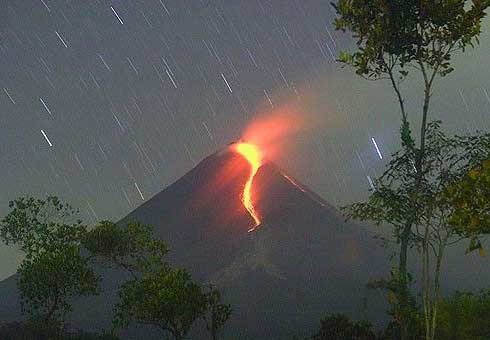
point(34, 225)
point(447, 160)
point(470, 198)
point(465, 316)
point(392, 287)
point(156, 294)
point(217, 315)
point(167, 299)
point(393, 39)
point(54, 269)
point(52, 278)
point(131, 248)
point(36, 329)
point(340, 327)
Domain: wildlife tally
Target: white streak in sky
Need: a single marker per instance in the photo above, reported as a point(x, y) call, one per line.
point(377, 148)
point(226, 82)
point(252, 58)
point(93, 211)
point(49, 10)
point(268, 98)
point(46, 137)
point(102, 151)
point(283, 78)
point(165, 7)
point(371, 184)
point(94, 80)
point(46, 106)
point(79, 163)
point(8, 95)
point(138, 188)
point(132, 65)
point(486, 94)
point(207, 130)
point(126, 196)
point(61, 39)
point(171, 78)
point(166, 65)
point(117, 15)
point(103, 61)
point(331, 38)
point(360, 160)
point(118, 122)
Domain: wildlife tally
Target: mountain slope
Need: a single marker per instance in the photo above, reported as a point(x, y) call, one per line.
point(302, 261)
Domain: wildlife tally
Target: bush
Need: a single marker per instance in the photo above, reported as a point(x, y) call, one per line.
point(42, 330)
point(340, 327)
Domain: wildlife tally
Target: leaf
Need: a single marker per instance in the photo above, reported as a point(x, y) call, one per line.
point(345, 57)
point(474, 244)
point(474, 174)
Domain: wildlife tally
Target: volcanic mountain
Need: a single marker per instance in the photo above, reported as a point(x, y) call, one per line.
point(282, 269)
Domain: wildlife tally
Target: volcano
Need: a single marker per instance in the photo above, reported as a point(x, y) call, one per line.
point(281, 255)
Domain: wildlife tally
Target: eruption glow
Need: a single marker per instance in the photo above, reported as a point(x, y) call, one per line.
point(265, 138)
point(254, 156)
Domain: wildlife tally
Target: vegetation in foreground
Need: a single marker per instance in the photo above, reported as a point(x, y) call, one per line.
point(462, 316)
point(60, 257)
point(418, 194)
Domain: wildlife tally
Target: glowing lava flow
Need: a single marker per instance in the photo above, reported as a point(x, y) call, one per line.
point(253, 155)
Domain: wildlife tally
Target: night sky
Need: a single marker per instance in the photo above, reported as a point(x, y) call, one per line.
point(105, 103)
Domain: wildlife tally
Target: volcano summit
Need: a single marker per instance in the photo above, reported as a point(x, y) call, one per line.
point(301, 261)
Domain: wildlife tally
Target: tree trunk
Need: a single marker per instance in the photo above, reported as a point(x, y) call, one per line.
point(426, 286)
point(437, 286)
point(178, 335)
point(52, 309)
point(405, 235)
point(404, 293)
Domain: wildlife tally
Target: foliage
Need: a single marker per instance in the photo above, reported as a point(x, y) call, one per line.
point(217, 315)
point(33, 329)
point(470, 198)
point(156, 294)
point(340, 327)
point(399, 199)
point(398, 33)
point(465, 316)
point(168, 299)
point(52, 278)
point(131, 247)
point(447, 160)
point(54, 269)
point(393, 38)
point(59, 251)
point(35, 225)
point(411, 314)
point(41, 330)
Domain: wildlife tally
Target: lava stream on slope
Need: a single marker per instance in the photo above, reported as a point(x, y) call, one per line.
point(253, 155)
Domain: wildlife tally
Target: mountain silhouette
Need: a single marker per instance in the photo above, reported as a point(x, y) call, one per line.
point(301, 262)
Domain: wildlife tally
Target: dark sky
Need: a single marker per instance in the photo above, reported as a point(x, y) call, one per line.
point(104, 103)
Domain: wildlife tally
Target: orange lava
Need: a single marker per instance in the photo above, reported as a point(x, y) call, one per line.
point(254, 156)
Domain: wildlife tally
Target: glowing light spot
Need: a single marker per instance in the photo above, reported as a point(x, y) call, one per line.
point(253, 155)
